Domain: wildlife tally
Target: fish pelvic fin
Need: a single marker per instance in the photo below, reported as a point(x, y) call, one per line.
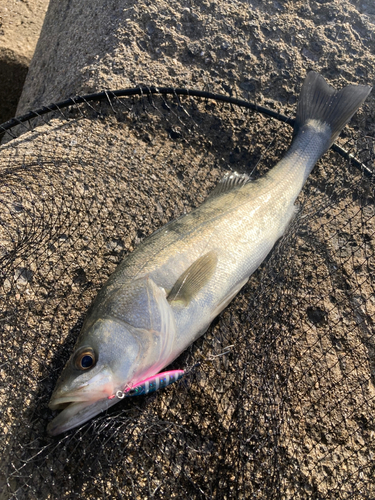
point(319, 101)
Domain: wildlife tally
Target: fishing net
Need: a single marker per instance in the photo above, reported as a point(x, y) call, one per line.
point(278, 400)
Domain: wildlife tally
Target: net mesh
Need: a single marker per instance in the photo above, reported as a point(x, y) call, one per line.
point(279, 397)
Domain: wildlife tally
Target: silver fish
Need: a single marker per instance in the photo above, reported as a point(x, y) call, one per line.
point(165, 294)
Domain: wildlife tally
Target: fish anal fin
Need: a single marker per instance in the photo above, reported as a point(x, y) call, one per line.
point(193, 279)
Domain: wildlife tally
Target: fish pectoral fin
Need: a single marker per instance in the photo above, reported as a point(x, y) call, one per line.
point(193, 279)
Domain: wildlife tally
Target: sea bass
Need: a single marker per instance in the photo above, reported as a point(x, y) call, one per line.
point(165, 294)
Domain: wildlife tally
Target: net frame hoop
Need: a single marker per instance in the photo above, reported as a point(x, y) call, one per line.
point(153, 90)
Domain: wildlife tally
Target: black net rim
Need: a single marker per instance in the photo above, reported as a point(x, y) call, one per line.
point(111, 95)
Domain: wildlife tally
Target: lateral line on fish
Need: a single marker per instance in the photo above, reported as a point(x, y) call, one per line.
point(234, 191)
point(211, 220)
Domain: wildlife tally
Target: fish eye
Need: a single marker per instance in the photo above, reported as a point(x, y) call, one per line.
point(85, 358)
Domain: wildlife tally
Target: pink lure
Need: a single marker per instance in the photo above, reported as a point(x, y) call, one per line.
point(152, 384)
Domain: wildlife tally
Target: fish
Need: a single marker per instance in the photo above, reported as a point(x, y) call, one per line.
point(165, 294)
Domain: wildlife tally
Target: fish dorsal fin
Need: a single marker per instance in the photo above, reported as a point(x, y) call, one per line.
point(193, 279)
point(230, 181)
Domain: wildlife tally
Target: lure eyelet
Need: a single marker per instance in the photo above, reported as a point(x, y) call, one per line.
point(85, 358)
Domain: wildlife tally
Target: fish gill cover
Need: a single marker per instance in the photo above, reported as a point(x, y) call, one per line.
point(279, 397)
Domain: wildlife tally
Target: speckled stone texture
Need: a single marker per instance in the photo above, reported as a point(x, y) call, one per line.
point(258, 48)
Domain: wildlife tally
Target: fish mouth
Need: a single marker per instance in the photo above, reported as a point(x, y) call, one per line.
point(82, 403)
point(65, 402)
point(76, 413)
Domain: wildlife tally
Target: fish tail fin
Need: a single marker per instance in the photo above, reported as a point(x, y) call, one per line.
point(319, 101)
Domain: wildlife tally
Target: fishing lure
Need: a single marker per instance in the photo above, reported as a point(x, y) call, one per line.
point(151, 384)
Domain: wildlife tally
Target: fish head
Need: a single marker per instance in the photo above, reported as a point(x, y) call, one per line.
point(103, 362)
